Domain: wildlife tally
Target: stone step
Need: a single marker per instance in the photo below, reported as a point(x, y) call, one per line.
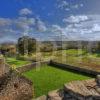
point(55, 95)
point(44, 97)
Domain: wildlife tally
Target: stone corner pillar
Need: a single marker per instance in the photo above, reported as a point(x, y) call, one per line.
point(2, 66)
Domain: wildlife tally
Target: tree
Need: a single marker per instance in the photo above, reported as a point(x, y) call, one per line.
point(26, 45)
point(47, 46)
point(98, 47)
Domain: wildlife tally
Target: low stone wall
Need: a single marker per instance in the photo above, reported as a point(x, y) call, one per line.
point(58, 65)
point(31, 66)
point(75, 69)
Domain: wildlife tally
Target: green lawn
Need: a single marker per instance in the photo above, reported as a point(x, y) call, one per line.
point(49, 78)
point(17, 63)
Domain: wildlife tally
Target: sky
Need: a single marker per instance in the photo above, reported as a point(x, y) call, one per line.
point(50, 19)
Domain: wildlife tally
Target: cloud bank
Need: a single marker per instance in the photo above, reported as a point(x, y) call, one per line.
point(11, 29)
point(80, 27)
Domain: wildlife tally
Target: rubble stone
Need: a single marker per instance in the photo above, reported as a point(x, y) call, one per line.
point(12, 85)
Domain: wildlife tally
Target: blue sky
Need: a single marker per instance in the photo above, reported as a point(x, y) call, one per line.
point(50, 19)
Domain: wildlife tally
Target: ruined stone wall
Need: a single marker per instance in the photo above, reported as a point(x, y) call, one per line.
point(16, 88)
point(31, 66)
point(3, 68)
point(80, 91)
point(13, 86)
point(75, 69)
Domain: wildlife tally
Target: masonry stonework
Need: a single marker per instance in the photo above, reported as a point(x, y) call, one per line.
point(12, 85)
point(76, 90)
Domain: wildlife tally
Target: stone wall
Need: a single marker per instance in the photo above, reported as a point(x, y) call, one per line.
point(31, 66)
point(75, 69)
point(13, 86)
point(3, 68)
point(16, 88)
point(76, 90)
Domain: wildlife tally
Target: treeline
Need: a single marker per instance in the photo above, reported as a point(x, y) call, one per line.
point(8, 49)
point(29, 45)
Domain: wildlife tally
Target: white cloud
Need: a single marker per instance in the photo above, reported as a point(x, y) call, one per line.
point(56, 27)
point(4, 21)
point(85, 27)
point(63, 4)
point(96, 28)
point(59, 31)
point(66, 6)
point(25, 11)
point(81, 5)
point(76, 19)
point(40, 25)
point(25, 20)
point(76, 6)
point(20, 26)
point(23, 25)
point(26, 24)
point(67, 9)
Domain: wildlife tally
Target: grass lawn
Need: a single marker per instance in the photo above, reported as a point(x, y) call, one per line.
point(50, 78)
point(17, 63)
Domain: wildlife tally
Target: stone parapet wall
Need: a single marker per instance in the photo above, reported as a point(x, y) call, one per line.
point(31, 66)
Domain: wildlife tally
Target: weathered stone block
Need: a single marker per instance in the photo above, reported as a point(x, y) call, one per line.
point(41, 98)
point(54, 95)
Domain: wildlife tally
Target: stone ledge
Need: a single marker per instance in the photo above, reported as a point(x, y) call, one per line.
point(54, 95)
point(44, 97)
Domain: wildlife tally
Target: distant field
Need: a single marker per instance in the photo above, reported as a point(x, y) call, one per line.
point(17, 63)
point(48, 78)
point(79, 58)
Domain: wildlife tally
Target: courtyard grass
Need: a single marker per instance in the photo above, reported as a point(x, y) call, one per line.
point(49, 78)
point(15, 62)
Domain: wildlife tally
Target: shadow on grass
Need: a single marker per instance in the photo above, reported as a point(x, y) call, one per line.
point(73, 71)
